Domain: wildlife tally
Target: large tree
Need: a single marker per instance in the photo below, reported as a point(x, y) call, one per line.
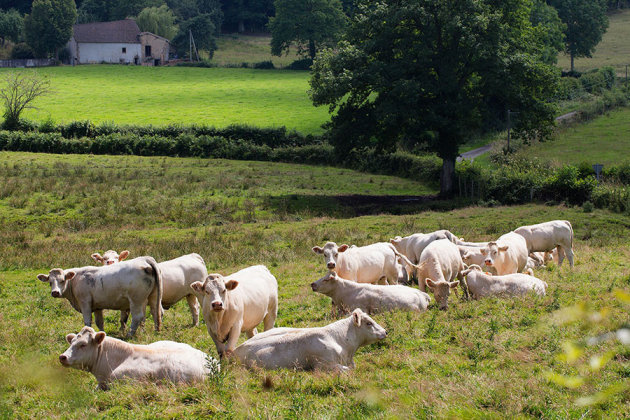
point(435, 69)
point(49, 26)
point(157, 20)
point(11, 25)
point(108, 10)
point(586, 22)
point(247, 15)
point(550, 30)
point(307, 24)
point(203, 32)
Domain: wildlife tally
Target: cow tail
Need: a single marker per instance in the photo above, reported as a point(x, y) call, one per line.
point(571, 229)
point(406, 260)
point(157, 276)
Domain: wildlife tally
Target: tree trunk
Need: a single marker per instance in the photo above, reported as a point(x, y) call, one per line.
point(311, 49)
point(446, 177)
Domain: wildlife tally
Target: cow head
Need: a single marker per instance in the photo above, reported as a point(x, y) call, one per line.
point(331, 253)
point(492, 252)
point(471, 268)
point(83, 350)
point(441, 290)
point(396, 242)
point(110, 257)
point(368, 330)
point(58, 281)
point(213, 292)
point(326, 284)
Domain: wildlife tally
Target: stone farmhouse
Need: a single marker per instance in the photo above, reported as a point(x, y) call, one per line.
point(119, 42)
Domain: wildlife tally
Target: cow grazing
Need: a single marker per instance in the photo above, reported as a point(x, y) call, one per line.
point(546, 236)
point(482, 284)
point(109, 359)
point(376, 263)
point(413, 245)
point(329, 348)
point(348, 295)
point(127, 285)
point(177, 276)
point(238, 302)
point(110, 257)
point(507, 255)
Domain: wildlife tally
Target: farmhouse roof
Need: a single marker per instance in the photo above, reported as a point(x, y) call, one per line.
point(118, 31)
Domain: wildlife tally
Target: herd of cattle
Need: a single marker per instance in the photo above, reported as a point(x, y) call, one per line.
point(361, 280)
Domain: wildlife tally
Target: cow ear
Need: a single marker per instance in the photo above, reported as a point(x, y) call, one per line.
point(342, 248)
point(318, 250)
point(70, 337)
point(70, 275)
point(42, 277)
point(123, 255)
point(503, 248)
point(197, 287)
point(466, 255)
point(453, 284)
point(429, 282)
point(394, 241)
point(231, 284)
point(97, 257)
point(99, 337)
point(356, 317)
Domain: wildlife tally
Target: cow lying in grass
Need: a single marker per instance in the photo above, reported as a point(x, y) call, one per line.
point(330, 348)
point(482, 284)
point(109, 359)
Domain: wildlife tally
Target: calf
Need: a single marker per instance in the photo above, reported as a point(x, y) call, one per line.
point(546, 236)
point(507, 255)
point(376, 263)
point(348, 295)
point(413, 245)
point(109, 359)
point(127, 285)
point(323, 348)
point(482, 284)
point(110, 257)
point(177, 276)
point(238, 302)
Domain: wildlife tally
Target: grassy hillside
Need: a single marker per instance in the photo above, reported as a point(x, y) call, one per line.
point(605, 140)
point(482, 359)
point(234, 49)
point(177, 95)
point(613, 50)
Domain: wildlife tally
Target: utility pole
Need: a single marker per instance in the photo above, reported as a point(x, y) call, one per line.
point(509, 126)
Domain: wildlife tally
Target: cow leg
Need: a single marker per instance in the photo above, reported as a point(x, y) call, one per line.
point(270, 319)
point(156, 312)
point(463, 284)
point(569, 252)
point(86, 311)
point(233, 338)
point(560, 255)
point(98, 319)
point(382, 280)
point(251, 333)
point(193, 304)
point(124, 316)
point(137, 317)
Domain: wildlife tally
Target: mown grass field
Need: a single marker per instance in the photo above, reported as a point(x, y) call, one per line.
point(613, 50)
point(178, 95)
point(483, 359)
point(235, 49)
point(605, 140)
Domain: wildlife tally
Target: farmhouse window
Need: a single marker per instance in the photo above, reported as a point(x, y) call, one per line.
point(147, 51)
point(124, 50)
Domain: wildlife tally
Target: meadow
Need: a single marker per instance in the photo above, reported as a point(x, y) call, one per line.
point(235, 49)
point(613, 50)
point(479, 359)
point(178, 95)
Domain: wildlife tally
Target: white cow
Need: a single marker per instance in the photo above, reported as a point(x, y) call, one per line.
point(238, 302)
point(546, 236)
point(110, 257)
point(413, 245)
point(440, 263)
point(473, 255)
point(482, 284)
point(330, 348)
point(507, 255)
point(109, 359)
point(127, 285)
point(177, 276)
point(348, 295)
point(376, 263)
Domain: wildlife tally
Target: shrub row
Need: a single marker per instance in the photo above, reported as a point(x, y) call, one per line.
point(205, 146)
point(576, 85)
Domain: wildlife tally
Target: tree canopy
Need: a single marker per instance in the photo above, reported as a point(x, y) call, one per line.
point(433, 70)
point(49, 26)
point(157, 20)
point(586, 22)
point(308, 24)
point(11, 25)
point(203, 31)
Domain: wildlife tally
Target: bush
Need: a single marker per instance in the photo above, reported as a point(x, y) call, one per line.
point(22, 51)
point(618, 174)
point(47, 126)
point(566, 185)
point(302, 64)
point(77, 129)
point(593, 82)
point(587, 207)
point(264, 65)
point(570, 88)
point(610, 78)
point(203, 64)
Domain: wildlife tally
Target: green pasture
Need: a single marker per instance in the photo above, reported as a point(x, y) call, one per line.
point(480, 359)
point(235, 49)
point(178, 95)
point(605, 140)
point(613, 50)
